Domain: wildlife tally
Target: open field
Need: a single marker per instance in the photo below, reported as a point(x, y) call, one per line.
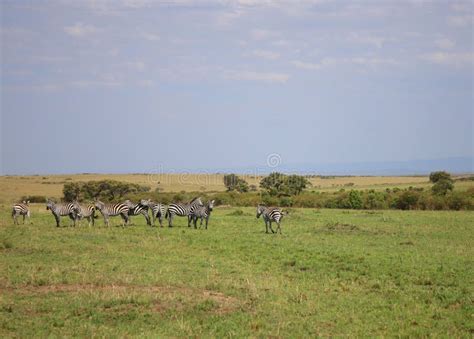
point(14, 187)
point(331, 273)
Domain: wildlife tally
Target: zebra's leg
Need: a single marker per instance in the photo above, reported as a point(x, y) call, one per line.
point(147, 217)
point(279, 228)
point(160, 219)
point(207, 221)
point(195, 221)
point(189, 220)
point(24, 216)
point(270, 224)
point(57, 219)
point(125, 218)
point(15, 221)
point(266, 226)
point(170, 220)
point(106, 221)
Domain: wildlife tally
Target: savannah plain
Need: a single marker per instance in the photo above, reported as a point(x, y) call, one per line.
point(331, 273)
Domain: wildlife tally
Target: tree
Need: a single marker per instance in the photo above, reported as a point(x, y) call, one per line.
point(71, 191)
point(105, 189)
point(440, 175)
point(281, 184)
point(275, 184)
point(442, 182)
point(233, 182)
point(297, 183)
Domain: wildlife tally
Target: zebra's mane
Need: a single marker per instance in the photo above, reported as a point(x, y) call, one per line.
point(195, 199)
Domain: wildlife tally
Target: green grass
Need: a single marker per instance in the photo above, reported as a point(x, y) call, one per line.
point(331, 273)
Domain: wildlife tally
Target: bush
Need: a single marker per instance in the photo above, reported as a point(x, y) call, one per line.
point(233, 182)
point(442, 187)
point(407, 200)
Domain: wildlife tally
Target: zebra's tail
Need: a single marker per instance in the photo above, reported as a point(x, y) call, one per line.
point(167, 214)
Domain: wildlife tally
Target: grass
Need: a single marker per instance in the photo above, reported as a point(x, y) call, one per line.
point(14, 187)
point(331, 273)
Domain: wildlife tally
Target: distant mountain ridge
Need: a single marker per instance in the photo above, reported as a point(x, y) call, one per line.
point(454, 165)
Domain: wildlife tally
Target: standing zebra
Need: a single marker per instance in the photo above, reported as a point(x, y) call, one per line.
point(157, 212)
point(140, 208)
point(182, 210)
point(112, 210)
point(86, 211)
point(21, 209)
point(202, 212)
point(270, 214)
point(60, 210)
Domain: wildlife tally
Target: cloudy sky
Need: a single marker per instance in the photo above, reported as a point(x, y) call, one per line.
point(136, 85)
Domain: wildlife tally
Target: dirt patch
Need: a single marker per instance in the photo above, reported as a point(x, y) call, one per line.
point(341, 227)
point(165, 297)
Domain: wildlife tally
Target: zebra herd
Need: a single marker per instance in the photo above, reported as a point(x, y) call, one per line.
point(193, 210)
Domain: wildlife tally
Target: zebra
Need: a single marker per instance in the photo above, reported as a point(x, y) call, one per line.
point(140, 208)
point(23, 209)
point(202, 212)
point(86, 211)
point(60, 210)
point(112, 210)
point(182, 210)
point(157, 212)
point(270, 214)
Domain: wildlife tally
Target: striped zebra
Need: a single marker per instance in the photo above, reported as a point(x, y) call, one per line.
point(202, 212)
point(22, 209)
point(157, 211)
point(112, 210)
point(270, 214)
point(140, 208)
point(63, 209)
point(182, 210)
point(86, 211)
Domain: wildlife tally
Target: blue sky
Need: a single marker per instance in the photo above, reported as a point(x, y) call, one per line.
point(132, 86)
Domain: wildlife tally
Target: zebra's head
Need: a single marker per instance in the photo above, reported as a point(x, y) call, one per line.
point(145, 202)
point(260, 209)
point(210, 205)
point(99, 205)
point(49, 204)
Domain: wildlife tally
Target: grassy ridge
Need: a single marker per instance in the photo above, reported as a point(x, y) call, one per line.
point(332, 272)
point(14, 187)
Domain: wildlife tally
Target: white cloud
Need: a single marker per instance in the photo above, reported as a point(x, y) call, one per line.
point(150, 36)
point(262, 34)
point(138, 66)
point(266, 54)
point(307, 65)
point(269, 77)
point(281, 43)
point(326, 62)
point(461, 20)
point(444, 43)
point(227, 18)
point(80, 30)
point(366, 38)
point(452, 59)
